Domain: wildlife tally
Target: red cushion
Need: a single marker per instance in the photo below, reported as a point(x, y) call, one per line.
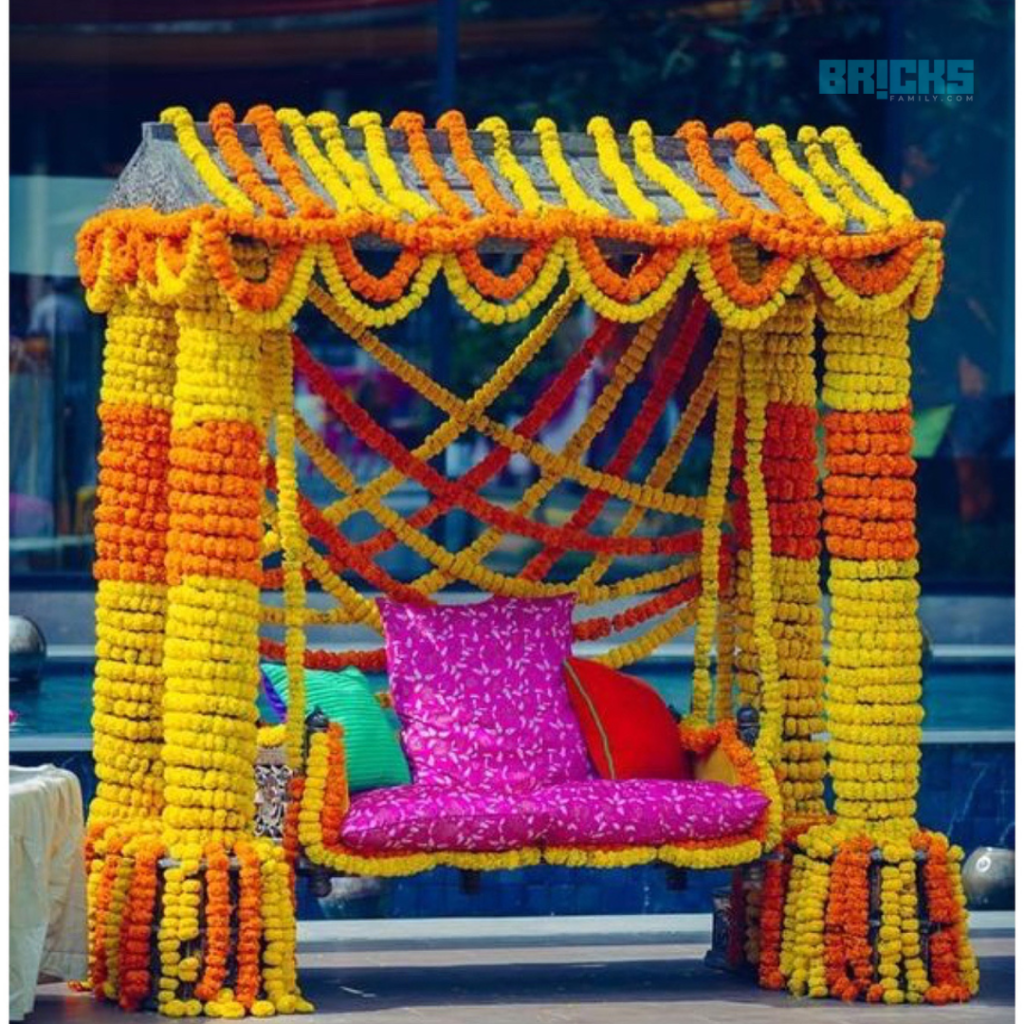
point(629, 730)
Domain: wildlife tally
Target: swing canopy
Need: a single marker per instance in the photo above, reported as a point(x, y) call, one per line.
point(226, 530)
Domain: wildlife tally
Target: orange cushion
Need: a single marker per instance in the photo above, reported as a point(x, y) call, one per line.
point(629, 730)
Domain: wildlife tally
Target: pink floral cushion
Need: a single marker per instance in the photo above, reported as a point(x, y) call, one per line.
point(479, 692)
point(425, 818)
point(600, 812)
point(645, 812)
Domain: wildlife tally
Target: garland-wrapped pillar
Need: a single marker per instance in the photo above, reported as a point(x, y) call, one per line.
point(131, 545)
point(789, 455)
point(790, 480)
point(189, 867)
point(874, 907)
point(211, 662)
point(213, 572)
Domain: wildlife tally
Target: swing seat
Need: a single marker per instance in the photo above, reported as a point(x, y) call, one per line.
point(725, 815)
point(501, 770)
point(595, 812)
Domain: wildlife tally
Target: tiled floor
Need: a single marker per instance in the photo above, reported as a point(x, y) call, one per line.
point(642, 983)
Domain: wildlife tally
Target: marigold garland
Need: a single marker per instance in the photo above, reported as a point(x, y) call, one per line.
point(725, 420)
point(163, 250)
point(238, 161)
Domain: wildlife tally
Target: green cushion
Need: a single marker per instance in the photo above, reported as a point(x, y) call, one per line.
point(373, 754)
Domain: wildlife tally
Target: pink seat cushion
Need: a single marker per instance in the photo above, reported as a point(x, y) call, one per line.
point(646, 812)
point(423, 818)
point(601, 812)
point(478, 689)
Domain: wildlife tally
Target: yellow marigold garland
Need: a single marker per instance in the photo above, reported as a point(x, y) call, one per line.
point(326, 173)
point(725, 426)
point(379, 158)
point(558, 167)
point(511, 169)
point(278, 365)
point(867, 177)
point(353, 171)
point(824, 171)
point(612, 165)
point(755, 395)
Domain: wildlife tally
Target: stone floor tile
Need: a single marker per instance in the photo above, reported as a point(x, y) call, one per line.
point(626, 984)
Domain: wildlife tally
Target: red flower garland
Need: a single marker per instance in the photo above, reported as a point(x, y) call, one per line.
point(655, 400)
point(388, 446)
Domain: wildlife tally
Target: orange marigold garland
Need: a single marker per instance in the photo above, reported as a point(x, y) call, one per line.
point(773, 893)
point(848, 967)
point(250, 925)
point(137, 923)
point(218, 923)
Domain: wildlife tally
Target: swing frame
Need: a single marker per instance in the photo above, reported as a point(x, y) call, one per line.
point(210, 244)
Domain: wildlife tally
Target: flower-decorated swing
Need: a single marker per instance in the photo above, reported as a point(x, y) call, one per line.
point(739, 244)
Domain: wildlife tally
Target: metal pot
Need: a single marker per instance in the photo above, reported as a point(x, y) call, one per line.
point(988, 878)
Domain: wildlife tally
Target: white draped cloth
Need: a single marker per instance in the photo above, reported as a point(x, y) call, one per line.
point(48, 934)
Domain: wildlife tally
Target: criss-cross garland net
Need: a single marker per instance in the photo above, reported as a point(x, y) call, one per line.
point(678, 581)
point(746, 241)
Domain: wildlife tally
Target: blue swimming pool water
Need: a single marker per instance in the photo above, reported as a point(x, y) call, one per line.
point(956, 696)
point(967, 791)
